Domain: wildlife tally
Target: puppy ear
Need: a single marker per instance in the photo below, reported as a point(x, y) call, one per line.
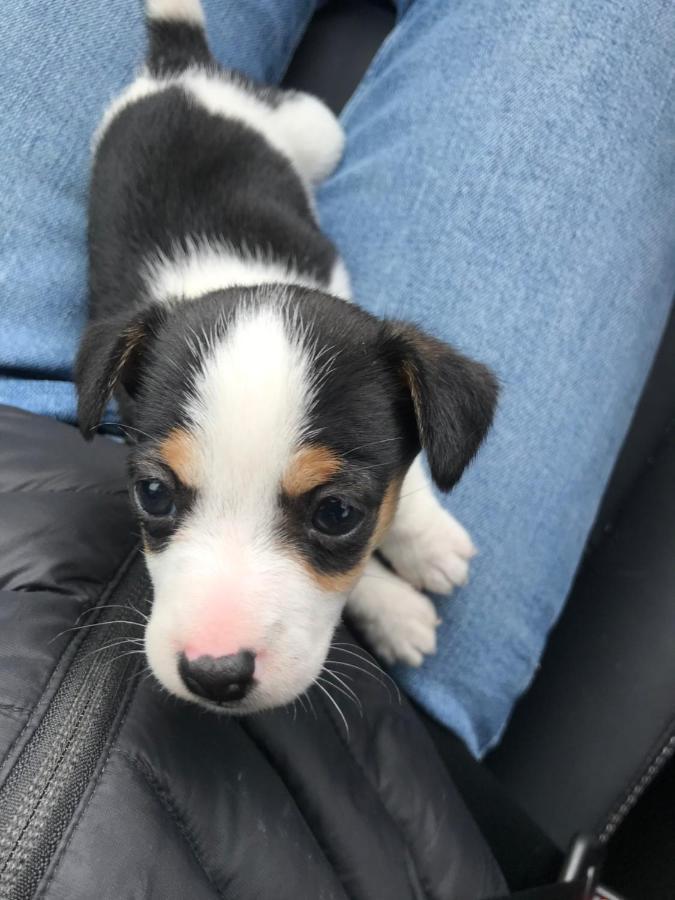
point(108, 360)
point(453, 399)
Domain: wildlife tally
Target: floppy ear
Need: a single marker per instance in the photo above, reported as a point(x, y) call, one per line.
point(109, 360)
point(453, 398)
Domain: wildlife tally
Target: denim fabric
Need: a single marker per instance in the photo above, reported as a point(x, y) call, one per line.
point(509, 184)
point(60, 65)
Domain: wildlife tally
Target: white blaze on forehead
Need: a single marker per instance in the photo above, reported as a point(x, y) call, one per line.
point(249, 409)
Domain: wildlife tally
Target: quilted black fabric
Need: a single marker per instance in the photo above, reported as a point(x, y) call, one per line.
point(181, 803)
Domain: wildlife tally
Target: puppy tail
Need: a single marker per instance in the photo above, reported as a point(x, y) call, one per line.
point(176, 37)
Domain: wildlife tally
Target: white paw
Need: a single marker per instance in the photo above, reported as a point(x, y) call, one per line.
point(432, 554)
point(313, 135)
point(397, 621)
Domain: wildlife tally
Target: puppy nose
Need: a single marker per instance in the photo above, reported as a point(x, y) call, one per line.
point(219, 678)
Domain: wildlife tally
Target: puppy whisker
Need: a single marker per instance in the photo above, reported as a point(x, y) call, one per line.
point(123, 427)
point(145, 670)
point(372, 444)
point(94, 625)
point(125, 606)
point(308, 697)
point(410, 493)
point(124, 642)
point(122, 655)
point(346, 648)
point(335, 704)
point(346, 689)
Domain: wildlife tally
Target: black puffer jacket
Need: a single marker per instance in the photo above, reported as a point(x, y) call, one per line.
point(111, 789)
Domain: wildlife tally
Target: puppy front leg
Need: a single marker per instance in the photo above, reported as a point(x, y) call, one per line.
point(397, 621)
point(424, 543)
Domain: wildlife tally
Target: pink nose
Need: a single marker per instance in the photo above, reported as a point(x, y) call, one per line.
point(219, 629)
point(216, 645)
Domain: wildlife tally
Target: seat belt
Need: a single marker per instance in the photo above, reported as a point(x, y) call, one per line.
point(559, 891)
point(579, 879)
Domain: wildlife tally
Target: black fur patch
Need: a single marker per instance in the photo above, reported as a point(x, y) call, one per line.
point(173, 46)
point(454, 399)
point(167, 172)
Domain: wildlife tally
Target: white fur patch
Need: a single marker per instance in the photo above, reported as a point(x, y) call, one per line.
point(204, 266)
point(249, 410)
point(424, 543)
point(340, 283)
point(189, 11)
point(431, 551)
point(313, 134)
point(397, 621)
point(301, 128)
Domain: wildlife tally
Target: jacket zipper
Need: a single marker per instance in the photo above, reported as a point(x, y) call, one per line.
point(55, 767)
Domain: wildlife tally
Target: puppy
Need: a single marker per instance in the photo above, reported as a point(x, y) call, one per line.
point(276, 426)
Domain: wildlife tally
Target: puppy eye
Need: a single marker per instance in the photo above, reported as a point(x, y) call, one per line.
point(155, 498)
point(335, 517)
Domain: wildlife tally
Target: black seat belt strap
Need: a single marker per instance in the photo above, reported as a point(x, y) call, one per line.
point(579, 877)
point(560, 891)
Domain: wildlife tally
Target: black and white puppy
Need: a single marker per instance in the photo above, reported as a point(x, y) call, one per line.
point(276, 426)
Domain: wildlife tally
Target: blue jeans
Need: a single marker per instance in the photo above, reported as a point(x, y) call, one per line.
point(509, 184)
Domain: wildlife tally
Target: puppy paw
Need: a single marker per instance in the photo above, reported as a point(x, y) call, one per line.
point(396, 621)
point(432, 555)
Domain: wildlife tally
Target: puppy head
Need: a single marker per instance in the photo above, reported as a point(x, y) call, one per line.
point(272, 429)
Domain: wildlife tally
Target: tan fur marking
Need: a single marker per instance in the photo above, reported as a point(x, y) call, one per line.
point(341, 582)
point(177, 451)
point(411, 379)
point(131, 337)
point(386, 513)
point(310, 466)
point(337, 582)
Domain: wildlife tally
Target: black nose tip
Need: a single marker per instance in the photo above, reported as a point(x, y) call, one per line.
point(219, 678)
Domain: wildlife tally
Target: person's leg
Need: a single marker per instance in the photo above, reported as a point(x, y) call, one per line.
point(61, 64)
point(509, 184)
